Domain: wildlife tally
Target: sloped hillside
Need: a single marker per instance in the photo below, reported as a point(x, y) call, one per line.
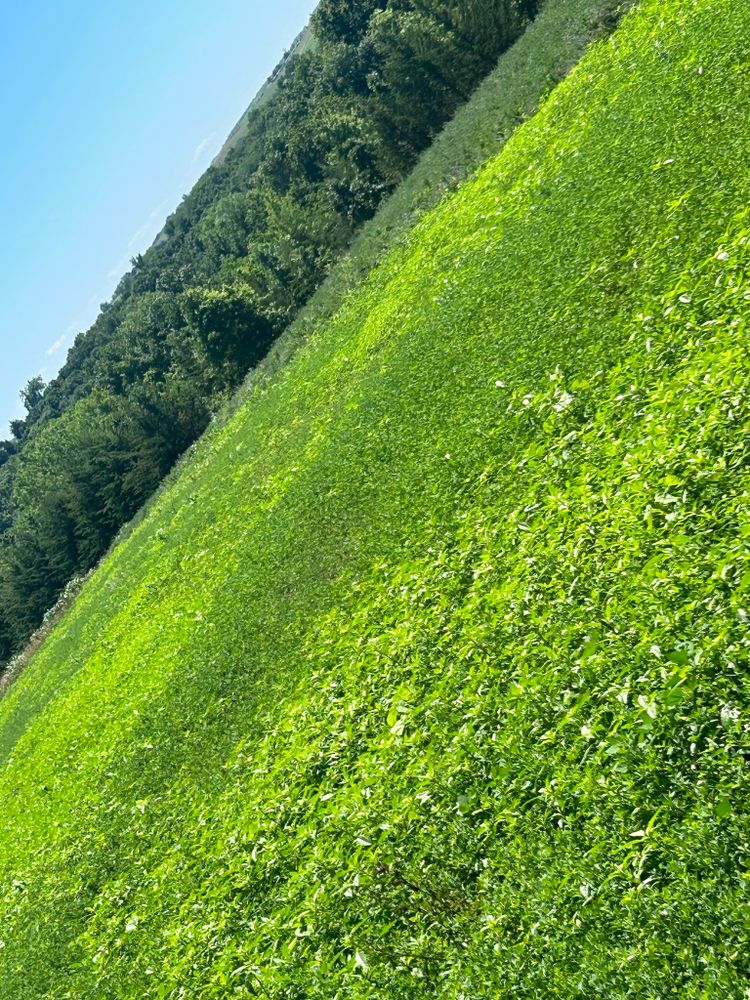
point(428, 676)
point(349, 115)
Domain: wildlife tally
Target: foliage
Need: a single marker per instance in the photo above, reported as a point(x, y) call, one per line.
point(7, 450)
point(82, 477)
point(428, 675)
point(230, 327)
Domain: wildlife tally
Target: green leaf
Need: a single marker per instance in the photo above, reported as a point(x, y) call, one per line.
point(723, 808)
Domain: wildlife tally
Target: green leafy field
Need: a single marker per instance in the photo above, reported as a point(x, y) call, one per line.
point(429, 675)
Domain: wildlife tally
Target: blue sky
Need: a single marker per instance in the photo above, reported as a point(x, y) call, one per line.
point(109, 113)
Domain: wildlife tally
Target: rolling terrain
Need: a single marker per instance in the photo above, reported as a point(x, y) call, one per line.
point(427, 675)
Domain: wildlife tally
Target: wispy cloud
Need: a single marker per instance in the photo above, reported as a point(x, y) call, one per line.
point(119, 269)
point(150, 227)
point(200, 149)
point(140, 233)
point(146, 233)
point(58, 345)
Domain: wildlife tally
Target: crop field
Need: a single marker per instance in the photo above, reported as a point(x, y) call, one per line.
point(428, 676)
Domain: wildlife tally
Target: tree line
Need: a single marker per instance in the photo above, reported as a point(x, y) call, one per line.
point(237, 259)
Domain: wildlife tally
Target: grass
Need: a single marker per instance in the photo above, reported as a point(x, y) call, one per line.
point(428, 675)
